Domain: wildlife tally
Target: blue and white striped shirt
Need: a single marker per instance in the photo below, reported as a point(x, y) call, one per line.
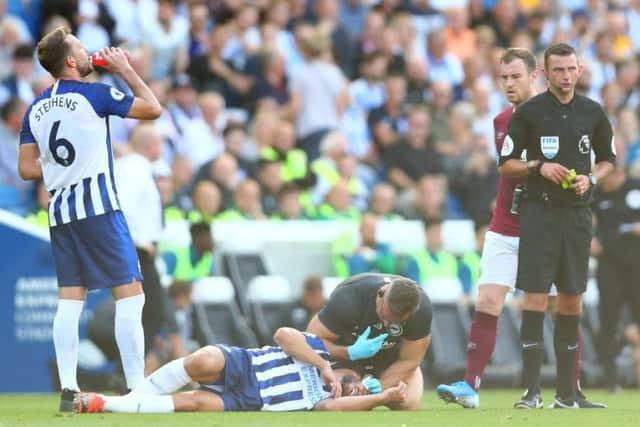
point(287, 384)
point(70, 123)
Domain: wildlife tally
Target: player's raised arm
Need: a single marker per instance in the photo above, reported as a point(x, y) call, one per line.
point(294, 343)
point(145, 105)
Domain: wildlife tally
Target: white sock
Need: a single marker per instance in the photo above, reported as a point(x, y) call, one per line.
point(130, 338)
point(166, 380)
point(65, 341)
point(139, 403)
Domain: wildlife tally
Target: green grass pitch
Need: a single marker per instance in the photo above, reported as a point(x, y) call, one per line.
point(624, 410)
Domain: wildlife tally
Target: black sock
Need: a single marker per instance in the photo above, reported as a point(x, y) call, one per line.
point(531, 333)
point(565, 342)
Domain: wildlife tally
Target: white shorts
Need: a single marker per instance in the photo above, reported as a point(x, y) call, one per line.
point(499, 262)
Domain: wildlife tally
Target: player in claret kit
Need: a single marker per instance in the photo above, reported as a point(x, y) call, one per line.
point(499, 261)
point(65, 141)
point(295, 375)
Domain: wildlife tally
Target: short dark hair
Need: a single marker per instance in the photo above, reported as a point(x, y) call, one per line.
point(11, 106)
point(560, 49)
point(23, 51)
point(514, 53)
point(53, 50)
point(312, 283)
point(179, 288)
point(199, 228)
point(431, 221)
point(403, 296)
point(288, 188)
point(232, 126)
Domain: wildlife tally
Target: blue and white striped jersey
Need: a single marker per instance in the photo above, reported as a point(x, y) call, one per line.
point(70, 123)
point(287, 384)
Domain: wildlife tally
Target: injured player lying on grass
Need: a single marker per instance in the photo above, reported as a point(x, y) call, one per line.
point(292, 376)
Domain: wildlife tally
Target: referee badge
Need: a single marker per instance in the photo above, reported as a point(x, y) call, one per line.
point(549, 145)
point(584, 145)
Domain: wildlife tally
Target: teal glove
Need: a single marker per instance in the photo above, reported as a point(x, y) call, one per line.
point(372, 385)
point(364, 347)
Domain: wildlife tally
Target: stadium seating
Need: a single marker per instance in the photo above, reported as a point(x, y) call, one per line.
point(217, 318)
point(449, 332)
point(269, 297)
point(329, 284)
point(241, 268)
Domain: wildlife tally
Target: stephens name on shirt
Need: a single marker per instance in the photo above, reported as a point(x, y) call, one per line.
point(59, 101)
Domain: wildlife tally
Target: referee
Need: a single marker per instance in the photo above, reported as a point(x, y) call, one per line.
point(616, 206)
point(379, 325)
point(558, 129)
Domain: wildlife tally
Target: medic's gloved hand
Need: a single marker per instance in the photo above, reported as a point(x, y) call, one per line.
point(364, 347)
point(372, 385)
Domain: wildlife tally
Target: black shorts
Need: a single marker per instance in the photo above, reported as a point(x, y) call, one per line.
point(555, 243)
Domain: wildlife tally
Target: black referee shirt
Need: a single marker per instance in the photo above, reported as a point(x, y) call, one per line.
point(560, 133)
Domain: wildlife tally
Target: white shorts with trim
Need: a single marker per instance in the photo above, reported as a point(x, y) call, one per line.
point(499, 261)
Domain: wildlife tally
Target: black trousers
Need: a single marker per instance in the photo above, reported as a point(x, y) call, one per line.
point(153, 314)
point(618, 283)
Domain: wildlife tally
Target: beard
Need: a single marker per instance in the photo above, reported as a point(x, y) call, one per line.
point(85, 69)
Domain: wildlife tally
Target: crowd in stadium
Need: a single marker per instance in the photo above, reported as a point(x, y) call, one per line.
point(319, 109)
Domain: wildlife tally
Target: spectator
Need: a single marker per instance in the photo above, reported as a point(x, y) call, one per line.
point(318, 94)
point(246, 203)
point(601, 64)
point(441, 97)
point(504, 19)
point(16, 191)
point(235, 143)
point(370, 255)
point(307, 306)
point(383, 202)
point(418, 84)
point(460, 39)
point(203, 135)
point(167, 39)
point(628, 78)
point(365, 94)
point(271, 83)
point(352, 16)
point(388, 123)
point(224, 172)
point(428, 200)
point(289, 204)
point(211, 72)
point(199, 27)
point(443, 65)
point(189, 263)
point(183, 107)
point(206, 203)
point(282, 148)
point(20, 82)
point(342, 47)
point(434, 266)
point(413, 157)
point(182, 176)
point(270, 180)
point(338, 204)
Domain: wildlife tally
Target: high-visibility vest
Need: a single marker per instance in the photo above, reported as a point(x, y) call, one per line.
point(185, 270)
point(446, 267)
point(40, 218)
point(294, 163)
point(173, 213)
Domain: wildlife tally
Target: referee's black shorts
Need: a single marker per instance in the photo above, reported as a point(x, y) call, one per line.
point(555, 243)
